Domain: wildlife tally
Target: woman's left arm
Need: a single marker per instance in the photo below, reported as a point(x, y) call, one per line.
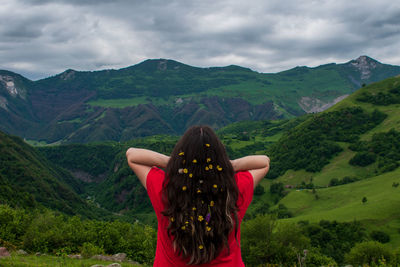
point(141, 160)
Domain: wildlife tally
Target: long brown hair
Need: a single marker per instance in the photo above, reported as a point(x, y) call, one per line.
point(200, 194)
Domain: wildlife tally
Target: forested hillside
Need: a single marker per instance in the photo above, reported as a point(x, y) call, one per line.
point(29, 180)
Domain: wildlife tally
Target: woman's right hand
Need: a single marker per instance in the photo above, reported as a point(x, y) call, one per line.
point(257, 165)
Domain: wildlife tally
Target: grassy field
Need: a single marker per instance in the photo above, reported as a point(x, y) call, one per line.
point(119, 103)
point(53, 261)
point(344, 203)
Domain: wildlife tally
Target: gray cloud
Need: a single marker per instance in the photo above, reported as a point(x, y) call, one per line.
point(39, 38)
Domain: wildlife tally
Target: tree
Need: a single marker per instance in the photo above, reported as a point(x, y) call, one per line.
point(277, 188)
point(364, 200)
point(257, 239)
point(293, 244)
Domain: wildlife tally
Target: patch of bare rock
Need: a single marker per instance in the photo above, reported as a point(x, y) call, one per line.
point(4, 252)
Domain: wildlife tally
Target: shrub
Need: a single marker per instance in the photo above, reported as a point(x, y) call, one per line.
point(316, 259)
point(370, 252)
point(363, 159)
point(88, 250)
point(259, 190)
point(380, 236)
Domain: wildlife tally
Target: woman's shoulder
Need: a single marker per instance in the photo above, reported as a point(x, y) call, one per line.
point(155, 178)
point(245, 184)
point(244, 178)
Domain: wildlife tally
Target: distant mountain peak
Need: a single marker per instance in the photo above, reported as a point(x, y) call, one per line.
point(159, 65)
point(69, 74)
point(364, 59)
point(364, 65)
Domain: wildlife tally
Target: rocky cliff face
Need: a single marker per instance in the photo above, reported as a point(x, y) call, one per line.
point(315, 105)
point(365, 65)
point(8, 83)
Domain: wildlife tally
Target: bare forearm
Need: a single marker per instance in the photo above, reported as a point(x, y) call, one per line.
point(146, 157)
point(250, 163)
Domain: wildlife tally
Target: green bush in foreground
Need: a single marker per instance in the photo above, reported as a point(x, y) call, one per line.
point(53, 261)
point(88, 250)
point(264, 241)
point(50, 232)
point(370, 253)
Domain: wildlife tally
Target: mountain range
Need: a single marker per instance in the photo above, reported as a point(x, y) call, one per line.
point(165, 97)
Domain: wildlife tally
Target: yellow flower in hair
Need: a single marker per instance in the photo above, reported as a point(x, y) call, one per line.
point(194, 161)
point(201, 247)
point(208, 228)
point(200, 218)
point(207, 145)
point(219, 168)
point(184, 188)
point(190, 175)
point(181, 153)
point(185, 170)
point(206, 168)
point(208, 159)
point(212, 203)
point(215, 186)
point(183, 227)
point(210, 166)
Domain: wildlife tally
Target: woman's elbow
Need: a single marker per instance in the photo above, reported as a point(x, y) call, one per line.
point(267, 161)
point(129, 153)
point(267, 164)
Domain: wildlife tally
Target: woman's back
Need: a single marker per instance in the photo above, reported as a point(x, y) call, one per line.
point(200, 195)
point(165, 254)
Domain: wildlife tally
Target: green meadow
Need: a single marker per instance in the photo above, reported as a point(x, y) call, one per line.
point(344, 203)
point(53, 261)
point(119, 103)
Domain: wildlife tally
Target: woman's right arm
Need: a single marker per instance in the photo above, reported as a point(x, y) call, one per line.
point(257, 165)
point(141, 160)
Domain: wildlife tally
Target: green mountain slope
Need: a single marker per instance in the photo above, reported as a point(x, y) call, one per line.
point(165, 97)
point(365, 165)
point(29, 180)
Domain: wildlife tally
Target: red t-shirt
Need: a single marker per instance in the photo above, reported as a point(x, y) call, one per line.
point(165, 255)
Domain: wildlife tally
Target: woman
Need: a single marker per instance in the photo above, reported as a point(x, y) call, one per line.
point(200, 199)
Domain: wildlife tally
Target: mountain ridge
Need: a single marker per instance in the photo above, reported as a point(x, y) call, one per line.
point(166, 96)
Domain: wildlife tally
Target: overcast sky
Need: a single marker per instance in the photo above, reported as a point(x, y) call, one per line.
point(39, 38)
